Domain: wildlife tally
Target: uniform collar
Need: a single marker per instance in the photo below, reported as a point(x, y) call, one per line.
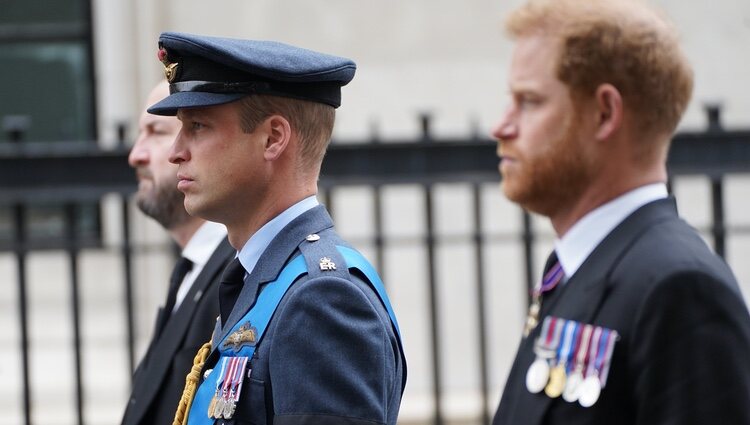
point(257, 244)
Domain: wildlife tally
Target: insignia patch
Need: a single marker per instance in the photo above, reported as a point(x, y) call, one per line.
point(245, 335)
point(326, 264)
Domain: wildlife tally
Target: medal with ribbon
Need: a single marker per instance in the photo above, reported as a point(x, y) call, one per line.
point(580, 356)
point(558, 373)
point(572, 359)
point(212, 407)
point(553, 276)
point(538, 373)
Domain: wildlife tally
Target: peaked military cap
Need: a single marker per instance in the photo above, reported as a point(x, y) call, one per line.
point(207, 71)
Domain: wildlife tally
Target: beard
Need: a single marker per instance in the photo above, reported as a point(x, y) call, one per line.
point(164, 203)
point(552, 179)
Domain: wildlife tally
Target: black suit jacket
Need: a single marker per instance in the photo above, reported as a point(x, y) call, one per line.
point(683, 356)
point(160, 377)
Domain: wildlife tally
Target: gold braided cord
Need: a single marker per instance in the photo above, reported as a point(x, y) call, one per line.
point(191, 384)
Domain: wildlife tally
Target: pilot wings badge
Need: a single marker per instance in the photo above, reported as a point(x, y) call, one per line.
point(246, 335)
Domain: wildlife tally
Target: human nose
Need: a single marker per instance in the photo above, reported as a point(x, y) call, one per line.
point(507, 127)
point(178, 153)
point(138, 153)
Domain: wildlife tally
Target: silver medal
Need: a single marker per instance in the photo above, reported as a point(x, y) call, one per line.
point(537, 375)
point(590, 390)
point(573, 387)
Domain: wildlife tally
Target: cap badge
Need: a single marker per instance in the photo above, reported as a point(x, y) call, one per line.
point(245, 335)
point(170, 68)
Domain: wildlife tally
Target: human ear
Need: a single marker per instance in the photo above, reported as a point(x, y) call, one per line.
point(609, 111)
point(279, 134)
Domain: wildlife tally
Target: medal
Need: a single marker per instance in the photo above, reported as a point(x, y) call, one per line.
point(592, 387)
point(235, 386)
point(228, 408)
point(572, 386)
point(558, 374)
point(549, 281)
point(613, 337)
point(575, 379)
point(212, 406)
point(594, 351)
point(589, 391)
point(537, 376)
point(538, 373)
point(556, 382)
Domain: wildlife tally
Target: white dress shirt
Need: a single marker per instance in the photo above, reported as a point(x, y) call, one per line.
point(198, 250)
point(586, 234)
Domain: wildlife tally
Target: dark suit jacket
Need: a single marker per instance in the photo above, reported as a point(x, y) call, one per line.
point(683, 356)
point(160, 377)
point(329, 354)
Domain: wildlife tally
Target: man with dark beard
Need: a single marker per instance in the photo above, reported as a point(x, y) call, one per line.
point(635, 321)
point(189, 314)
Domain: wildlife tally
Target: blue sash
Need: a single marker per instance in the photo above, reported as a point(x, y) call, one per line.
point(260, 315)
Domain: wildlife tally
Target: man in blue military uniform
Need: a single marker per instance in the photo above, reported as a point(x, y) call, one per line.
point(636, 321)
point(306, 332)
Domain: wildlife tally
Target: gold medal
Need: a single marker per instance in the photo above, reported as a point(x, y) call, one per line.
point(556, 383)
point(211, 407)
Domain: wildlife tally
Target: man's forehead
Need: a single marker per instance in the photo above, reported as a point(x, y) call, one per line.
point(533, 62)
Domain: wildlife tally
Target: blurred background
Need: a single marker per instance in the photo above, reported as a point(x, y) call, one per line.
point(411, 179)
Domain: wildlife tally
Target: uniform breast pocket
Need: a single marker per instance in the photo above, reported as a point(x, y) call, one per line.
point(251, 408)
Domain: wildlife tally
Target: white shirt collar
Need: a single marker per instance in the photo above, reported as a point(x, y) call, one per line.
point(254, 247)
point(198, 250)
point(203, 243)
point(581, 240)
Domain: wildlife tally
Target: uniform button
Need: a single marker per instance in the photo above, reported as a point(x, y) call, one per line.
point(312, 238)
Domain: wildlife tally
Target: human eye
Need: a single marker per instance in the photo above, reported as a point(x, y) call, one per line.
point(527, 101)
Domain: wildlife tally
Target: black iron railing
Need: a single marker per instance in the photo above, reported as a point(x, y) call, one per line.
point(81, 173)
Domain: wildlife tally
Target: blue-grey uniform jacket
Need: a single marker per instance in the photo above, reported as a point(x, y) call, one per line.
point(330, 354)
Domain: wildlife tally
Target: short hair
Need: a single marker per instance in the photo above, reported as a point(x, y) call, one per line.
point(312, 122)
point(621, 42)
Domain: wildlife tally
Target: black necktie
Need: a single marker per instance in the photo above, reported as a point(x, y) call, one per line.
point(229, 290)
point(181, 268)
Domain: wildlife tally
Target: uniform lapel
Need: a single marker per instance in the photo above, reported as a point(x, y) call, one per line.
point(162, 353)
point(273, 259)
point(579, 299)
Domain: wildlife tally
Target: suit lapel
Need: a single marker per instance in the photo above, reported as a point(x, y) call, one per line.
point(580, 299)
point(162, 353)
point(273, 259)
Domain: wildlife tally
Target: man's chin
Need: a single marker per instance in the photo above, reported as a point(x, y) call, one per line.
point(193, 207)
